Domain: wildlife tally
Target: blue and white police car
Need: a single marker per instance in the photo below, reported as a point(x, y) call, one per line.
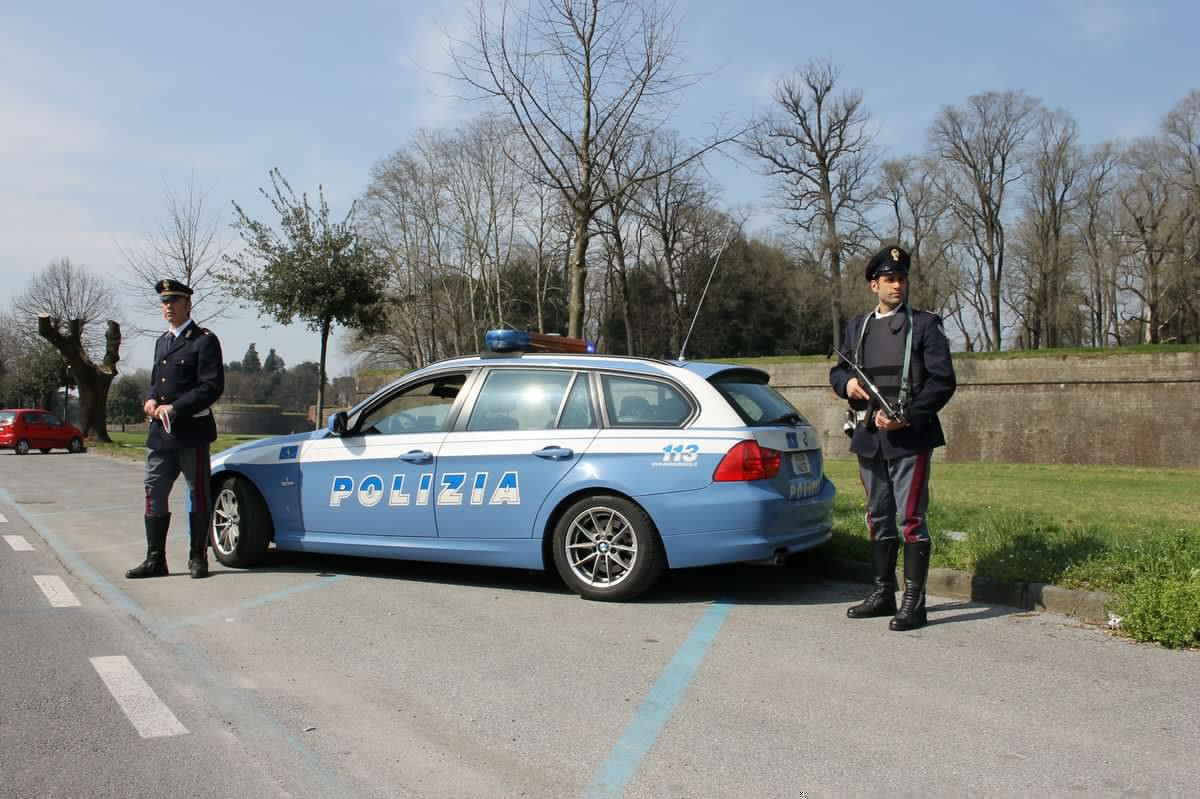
point(608, 469)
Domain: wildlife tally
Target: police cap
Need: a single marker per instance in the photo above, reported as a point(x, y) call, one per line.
point(889, 259)
point(172, 288)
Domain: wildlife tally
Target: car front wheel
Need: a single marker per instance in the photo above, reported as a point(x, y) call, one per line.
point(241, 524)
point(606, 548)
point(22, 447)
point(76, 445)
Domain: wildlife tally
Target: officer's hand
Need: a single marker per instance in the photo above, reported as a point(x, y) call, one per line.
point(148, 407)
point(855, 391)
point(885, 422)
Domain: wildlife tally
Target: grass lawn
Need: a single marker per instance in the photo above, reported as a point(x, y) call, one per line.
point(133, 445)
point(1131, 532)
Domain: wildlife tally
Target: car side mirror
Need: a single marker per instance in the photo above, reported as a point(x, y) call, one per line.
point(337, 423)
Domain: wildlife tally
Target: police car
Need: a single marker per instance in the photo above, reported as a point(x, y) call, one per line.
point(607, 468)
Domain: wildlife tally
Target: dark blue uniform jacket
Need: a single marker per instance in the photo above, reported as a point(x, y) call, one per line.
point(931, 384)
point(188, 374)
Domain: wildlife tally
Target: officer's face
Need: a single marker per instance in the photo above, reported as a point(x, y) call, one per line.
point(889, 288)
point(176, 310)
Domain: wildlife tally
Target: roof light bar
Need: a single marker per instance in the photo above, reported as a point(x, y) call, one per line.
point(527, 341)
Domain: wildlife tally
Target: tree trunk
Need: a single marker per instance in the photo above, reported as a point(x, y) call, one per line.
point(93, 380)
point(578, 268)
point(326, 325)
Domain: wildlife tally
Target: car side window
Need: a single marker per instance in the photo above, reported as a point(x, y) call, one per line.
point(423, 408)
point(519, 399)
point(636, 402)
point(50, 420)
point(577, 411)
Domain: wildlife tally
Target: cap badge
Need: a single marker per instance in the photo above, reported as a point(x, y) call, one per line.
point(895, 255)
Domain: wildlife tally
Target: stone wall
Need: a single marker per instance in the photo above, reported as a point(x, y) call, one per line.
point(266, 420)
point(1136, 409)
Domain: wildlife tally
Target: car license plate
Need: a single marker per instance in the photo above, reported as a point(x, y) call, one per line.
point(800, 463)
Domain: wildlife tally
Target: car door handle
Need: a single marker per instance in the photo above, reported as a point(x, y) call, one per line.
point(417, 456)
point(554, 453)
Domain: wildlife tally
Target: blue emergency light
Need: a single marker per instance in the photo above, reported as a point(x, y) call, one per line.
point(527, 341)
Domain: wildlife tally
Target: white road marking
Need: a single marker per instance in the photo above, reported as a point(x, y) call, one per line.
point(56, 591)
point(18, 543)
point(149, 716)
point(3, 519)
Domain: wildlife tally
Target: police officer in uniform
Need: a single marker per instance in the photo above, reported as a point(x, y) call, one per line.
point(187, 378)
point(905, 353)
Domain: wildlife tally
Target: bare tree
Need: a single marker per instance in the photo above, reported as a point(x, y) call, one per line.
point(69, 302)
point(979, 143)
point(1153, 224)
point(815, 143)
point(910, 188)
point(185, 248)
point(1096, 223)
point(1054, 165)
point(578, 78)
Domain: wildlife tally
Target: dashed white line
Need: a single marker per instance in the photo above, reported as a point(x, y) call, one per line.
point(56, 591)
point(3, 519)
point(149, 716)
point(18, 543)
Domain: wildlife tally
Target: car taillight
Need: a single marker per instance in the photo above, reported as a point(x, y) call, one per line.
point(746, 460)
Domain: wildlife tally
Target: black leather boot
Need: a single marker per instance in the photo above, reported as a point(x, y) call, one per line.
point(882, 599)
point(198, 552)
point(916, 569)
point(155, 564)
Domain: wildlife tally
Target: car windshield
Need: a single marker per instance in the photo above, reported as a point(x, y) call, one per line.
point(756, 402)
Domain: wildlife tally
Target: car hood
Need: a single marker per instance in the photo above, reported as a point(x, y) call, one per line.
point(274, 441)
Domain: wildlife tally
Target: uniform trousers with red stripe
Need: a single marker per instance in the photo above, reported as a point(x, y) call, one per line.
point(898, 487)
point(163, 466)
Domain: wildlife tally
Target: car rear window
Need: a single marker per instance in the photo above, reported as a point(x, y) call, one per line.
point(755, 401)
point(6, 417)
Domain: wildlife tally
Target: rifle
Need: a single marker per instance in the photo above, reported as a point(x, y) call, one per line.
point(896, 414)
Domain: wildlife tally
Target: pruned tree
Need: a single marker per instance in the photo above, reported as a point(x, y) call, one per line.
point(313, 268)
point(979, 143)
point(186, 247)
point(815, 144)
point(68, 303)
point(578, 77)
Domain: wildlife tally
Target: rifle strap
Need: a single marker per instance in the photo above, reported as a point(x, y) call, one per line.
point(905, 381)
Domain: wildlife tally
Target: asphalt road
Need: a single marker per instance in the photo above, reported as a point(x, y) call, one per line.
point(321, 676)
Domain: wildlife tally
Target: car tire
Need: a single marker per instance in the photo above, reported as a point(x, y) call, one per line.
point(21, 447)
point(241, 524)
point(606, 548)
point(76, 445)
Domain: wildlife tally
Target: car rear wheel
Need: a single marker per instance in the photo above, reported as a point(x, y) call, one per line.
point(21, 447)
point(606, 548)
point(241, 524)
point(76, 445)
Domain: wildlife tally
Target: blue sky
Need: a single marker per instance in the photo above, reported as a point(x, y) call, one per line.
point(105, 106)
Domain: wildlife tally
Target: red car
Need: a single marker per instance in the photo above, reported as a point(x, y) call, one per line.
point(23, 429)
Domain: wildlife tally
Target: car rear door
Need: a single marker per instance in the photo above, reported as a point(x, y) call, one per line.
point(525, 430)
point(378, 478)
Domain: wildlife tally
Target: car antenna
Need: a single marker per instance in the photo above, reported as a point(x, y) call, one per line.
point(703, 294)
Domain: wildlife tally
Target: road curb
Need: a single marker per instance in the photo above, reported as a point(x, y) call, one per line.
point(1089, 606)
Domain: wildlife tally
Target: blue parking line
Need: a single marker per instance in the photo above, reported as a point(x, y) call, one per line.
point(655, 711)
point(258, 601)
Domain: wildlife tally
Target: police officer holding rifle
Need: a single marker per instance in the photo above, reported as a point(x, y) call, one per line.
point(897, 374)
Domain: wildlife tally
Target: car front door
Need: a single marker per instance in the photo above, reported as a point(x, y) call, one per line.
point(53, 432)
point(377, 479)
point(525, 430)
